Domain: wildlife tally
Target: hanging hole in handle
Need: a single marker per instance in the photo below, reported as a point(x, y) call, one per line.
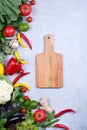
point(48, 37)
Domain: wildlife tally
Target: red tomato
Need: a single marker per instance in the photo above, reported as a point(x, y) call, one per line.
point(32, 2)
point(23, 90)
point(39, 115)
point(9, 31)
point(23, 111)
point(25, 9)
point(26, 98)
point(29, 19)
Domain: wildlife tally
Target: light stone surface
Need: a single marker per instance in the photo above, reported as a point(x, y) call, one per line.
point(67, 21)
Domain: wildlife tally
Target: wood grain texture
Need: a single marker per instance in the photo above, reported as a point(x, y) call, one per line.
point(49, 70)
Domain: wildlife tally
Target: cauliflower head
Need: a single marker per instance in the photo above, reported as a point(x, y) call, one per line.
point(5, 91)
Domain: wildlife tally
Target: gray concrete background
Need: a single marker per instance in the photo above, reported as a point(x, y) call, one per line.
point(67, 21)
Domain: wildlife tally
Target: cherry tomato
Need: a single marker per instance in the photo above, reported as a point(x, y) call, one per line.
point(39, 115)
point(23, 90)
point(25, 9)
point(23, 111)
point(32, 2)
point(26, 98)
point(29, 19)
point(9, 31)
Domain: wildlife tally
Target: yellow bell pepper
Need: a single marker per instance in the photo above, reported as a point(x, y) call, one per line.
point(18, 58)
point(1, 69)
point(20, 41)
point(20, 84)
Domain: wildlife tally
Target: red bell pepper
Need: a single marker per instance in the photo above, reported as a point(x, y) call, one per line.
point(13, 66)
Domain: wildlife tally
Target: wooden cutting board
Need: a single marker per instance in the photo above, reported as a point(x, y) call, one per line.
point(49, 72)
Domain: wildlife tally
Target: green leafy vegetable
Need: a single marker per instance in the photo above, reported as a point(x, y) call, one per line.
point(2, 38)
point(9, 11)
point(1, 25)
point(16, 3)
point(17, 22)
point(2, 123)
point(15, 94)
point(3, 77)
point(50, 120)
point(50, 116)
point(7, 50)
point(1, 57)
point(28, 124)
point(24, 0)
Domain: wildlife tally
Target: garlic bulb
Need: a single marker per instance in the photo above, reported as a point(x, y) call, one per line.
point(13, 43)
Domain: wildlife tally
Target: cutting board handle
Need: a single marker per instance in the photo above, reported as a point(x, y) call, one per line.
point(49, 45)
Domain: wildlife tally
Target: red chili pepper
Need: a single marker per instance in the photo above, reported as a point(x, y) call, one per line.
point(26, 39)
point(61, 126)
point(63, 111)
point(19, 76)
point(13, 66)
